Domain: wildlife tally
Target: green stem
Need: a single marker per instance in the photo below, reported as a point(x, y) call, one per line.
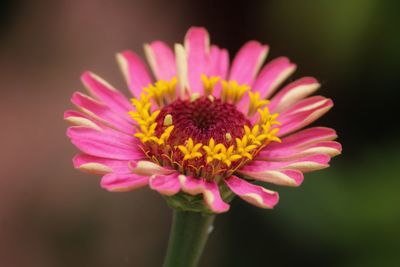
point(188, 237)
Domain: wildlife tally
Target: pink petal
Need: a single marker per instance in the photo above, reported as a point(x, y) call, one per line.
point(219, 62)
point(304, 164)
point(148, 168)
point(98, 165)
point(305, 137)
point(106, 93)
point(303, 113)
point(135, 71)
point(272, 75)
point(248, 62)
point(161, 59)
point(279, 177)
point(191, 185)
point(254, 194)
point(210, 192)
point(218, 66)
point(100, 112)
point(330, 148)
point(292, 93)
point(197, 45)
point(165, 184)
point(79, 119)
point(212, 198)
point(122, 182)
point(104, 144)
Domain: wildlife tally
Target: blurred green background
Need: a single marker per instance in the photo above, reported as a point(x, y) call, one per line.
point(52, 215)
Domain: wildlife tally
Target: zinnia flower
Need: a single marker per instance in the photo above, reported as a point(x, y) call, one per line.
point(203, 130)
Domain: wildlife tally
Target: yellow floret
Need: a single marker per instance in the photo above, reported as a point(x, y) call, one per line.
point(190, 150)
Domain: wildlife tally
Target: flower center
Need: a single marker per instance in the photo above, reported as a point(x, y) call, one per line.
point(204, 136)
point(202, 119)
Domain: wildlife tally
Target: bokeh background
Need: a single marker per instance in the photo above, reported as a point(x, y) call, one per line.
point(53, 215)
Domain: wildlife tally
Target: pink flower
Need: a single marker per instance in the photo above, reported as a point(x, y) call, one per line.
point(205, 129)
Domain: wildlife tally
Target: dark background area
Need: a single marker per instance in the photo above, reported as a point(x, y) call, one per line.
point(52, 215)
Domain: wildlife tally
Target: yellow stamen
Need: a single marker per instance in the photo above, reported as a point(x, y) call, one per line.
point(255, 102)
point(228, 155)
point(165, 135)
point(209, 84)
point(147, 133)
point(244, 148)
point(213, 151)
point(232, 91)
point(162, 91)
point(189, 150)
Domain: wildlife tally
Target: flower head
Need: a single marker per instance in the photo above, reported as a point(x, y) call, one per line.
point(204, 131)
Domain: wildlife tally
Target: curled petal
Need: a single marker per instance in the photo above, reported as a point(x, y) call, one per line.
point(279, 177)
point(122, 182)
point(148, 168)
point(165, 184)
point(213, 198)
point(78, 119)
point(97, 165)
point(209, 189)
point(254, 194)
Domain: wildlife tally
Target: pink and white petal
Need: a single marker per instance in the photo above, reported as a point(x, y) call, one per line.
point(254, 194)
point(76, 118)
point(212, 198)
point(292, 93)
point(305, 137)
point(148, 168)
point(96, 165)
point(210, 191)
point(114, 137)
point(279, 177)
point(134, 70)
point(273, 75)
point(105, 92)
point(304, 164)
point(191, 185)
point(102, 113)
point(165, 184)
point(303, 114)
point(330, 148)
point(306, 104)
point(248, 62)
point(182, 71)
point(197, 45)
point(123, 182)
point(101, 144)
point(161, 59)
